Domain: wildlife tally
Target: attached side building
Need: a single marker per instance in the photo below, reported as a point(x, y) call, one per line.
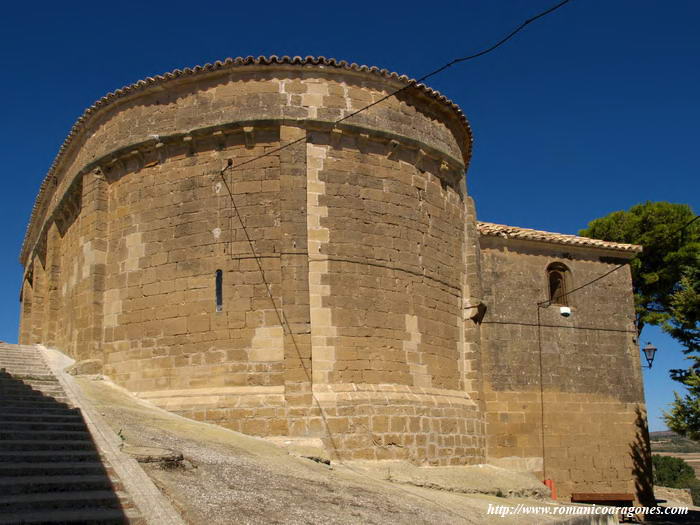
point(563, 394)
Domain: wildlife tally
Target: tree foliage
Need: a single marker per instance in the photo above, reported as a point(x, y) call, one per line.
point(671, 472)
point(671, 245)
point(683, 323)
point(666, 282)
point(684, 416)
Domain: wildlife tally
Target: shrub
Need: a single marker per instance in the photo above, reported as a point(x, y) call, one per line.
point(672, 472)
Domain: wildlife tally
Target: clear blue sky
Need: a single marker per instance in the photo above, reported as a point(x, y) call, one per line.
point(592, 109)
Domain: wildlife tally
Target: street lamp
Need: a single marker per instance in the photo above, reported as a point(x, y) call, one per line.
point(649, 353)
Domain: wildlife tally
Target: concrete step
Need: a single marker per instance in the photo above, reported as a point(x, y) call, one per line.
point(30, 389)
point(32, 397)
point(15, 435)
point(45, 408)
point(27, 376)
point(29, 395)
point(16, 352)
point(27, 445)
point(56, 468)
point(25, 387)
point(31, 426)
point(20, 362)
point(8, 372)
point(36, 389)
point(32, 404)
point(8, 364)
point(71, 415)
point(6, 361)
point(19, 372)
point(16, 485)
point(48, 456)
point(48, 382)
point(83, 516)
point(58, 400)
point(28, 392)
point(63, 500)
point(45, 375)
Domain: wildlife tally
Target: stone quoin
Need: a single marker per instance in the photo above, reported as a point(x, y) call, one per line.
point(339, 289)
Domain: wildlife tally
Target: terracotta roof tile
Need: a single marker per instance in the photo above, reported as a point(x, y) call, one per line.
point(513, 232)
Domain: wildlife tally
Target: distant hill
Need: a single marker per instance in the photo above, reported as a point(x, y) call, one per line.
point(667, 441)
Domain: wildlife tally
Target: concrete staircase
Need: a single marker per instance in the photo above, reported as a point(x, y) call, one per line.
point(50, 468)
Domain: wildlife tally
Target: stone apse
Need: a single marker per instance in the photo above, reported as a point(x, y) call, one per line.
point(235, 244)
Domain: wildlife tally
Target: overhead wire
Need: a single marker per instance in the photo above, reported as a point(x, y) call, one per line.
point(230, 166)
point(549, 302)
point(415, 82)
point(546, 304)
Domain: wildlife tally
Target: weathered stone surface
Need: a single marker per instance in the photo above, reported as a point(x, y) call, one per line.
point(153, 454)
point(360, 306)
point(563, 394)
point(86, 367)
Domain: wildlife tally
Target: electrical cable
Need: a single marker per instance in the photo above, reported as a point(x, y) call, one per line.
point(542, 432)
point(416, 82)
point(460, 59)
point(282, 318)
point(546, 304)
point(549, 302)
point(280, 314)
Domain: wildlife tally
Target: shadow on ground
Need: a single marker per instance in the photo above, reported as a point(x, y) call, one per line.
point(50, 468)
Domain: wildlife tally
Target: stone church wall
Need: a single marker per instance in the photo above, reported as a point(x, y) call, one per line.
point(563, 396)
point(354, 277)
point(342, 316)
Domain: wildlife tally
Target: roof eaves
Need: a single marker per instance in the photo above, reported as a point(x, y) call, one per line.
point(514, 232)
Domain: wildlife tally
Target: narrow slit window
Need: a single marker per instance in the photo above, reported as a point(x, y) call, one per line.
point(219, 291)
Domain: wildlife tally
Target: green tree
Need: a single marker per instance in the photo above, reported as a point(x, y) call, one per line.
point(675, 473)
point(671, 472)
point(666, 282)
point(683, 322)
point(671, 241)
point(684, 416)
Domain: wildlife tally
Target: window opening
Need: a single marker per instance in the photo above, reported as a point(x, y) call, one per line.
point(558, 277)
point(219, 291)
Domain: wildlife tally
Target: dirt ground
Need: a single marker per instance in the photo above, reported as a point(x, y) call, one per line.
point(227, 477)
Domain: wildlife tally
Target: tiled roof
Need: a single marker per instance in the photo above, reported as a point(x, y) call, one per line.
point(513, 232)
point(231, 63)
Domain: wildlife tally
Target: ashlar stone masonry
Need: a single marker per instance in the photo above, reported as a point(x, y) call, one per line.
point(231, 252)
